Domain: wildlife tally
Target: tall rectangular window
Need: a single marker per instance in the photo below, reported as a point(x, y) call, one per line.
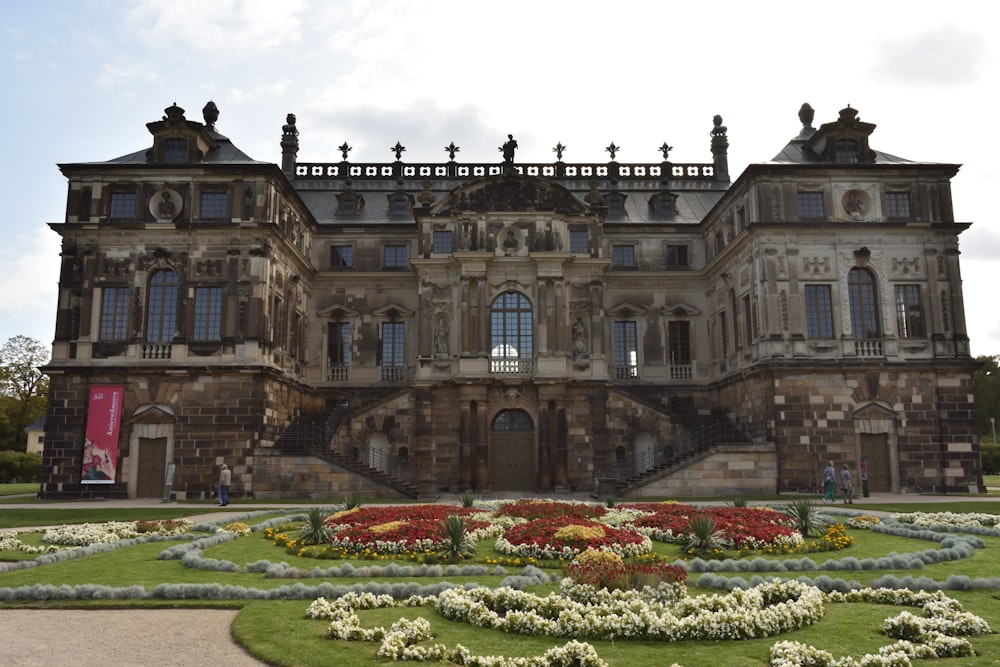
point(819, 311)
point(623, 256)
point(214, 205)
point(626, 352)
point(578, 244)
point(811, 205)
point(443, 242)
point(679, 341)
point(114, 314)
point(161, 308)
point(677, 257)
point(341, 256)
point(338, 349)
point(393, 344)
point(909, 314)
point(122, 206)
point(394, 257)
point(897, 205)
point(749, 321)
point(724, 333)
point(207, 314)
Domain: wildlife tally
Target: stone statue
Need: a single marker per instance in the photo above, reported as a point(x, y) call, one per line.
point(441, 337)
point(579, 338)
point(508, 148)
point(166, 208)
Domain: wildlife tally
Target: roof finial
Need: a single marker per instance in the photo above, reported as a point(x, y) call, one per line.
point(210, 113)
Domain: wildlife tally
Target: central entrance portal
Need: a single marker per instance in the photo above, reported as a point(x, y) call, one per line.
point(512, 459)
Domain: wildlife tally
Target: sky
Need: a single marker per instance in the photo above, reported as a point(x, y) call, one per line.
point(81, 79)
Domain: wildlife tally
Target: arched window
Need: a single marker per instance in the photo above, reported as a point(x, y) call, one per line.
point(864, 305)
point(512, 420)
point(161, 312)
point(511, 344)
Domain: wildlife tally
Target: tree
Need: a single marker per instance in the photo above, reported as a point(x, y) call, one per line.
point(986, 381)
point(23, 389)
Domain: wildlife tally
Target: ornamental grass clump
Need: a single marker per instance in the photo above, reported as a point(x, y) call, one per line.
point(458, 544)
point(703, 539)
point(315, 530)
point(806, 516)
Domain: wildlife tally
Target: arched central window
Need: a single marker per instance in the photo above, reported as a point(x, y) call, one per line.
point(864, 304)
point(161, 313)
point(511, 345)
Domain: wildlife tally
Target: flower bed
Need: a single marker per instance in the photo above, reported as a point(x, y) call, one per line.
point(550, 509)
point(746, 527)
point(400, 529)
point(564, 537)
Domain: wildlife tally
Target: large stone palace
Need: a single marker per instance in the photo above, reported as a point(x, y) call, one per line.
point(396, 329)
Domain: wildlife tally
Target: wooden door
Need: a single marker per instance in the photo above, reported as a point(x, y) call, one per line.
point(875, 448)
point(152, 467)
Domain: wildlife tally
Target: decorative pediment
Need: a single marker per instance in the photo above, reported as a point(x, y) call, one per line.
point(873, 410)
point(392, 311)
point(339, 311)
point(627, 310)
point(153, 414)
point(679, 309)
point(510, 193)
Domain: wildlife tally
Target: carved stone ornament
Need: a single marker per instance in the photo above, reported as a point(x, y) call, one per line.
point(165, 205)
point(510, 194)
point(512, 398)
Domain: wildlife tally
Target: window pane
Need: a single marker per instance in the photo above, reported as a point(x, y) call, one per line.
point(623, 255)
point(845, 151)
point(909, 317)
point(114, 314)
point(819, 311)
point(175, 150)
point(161, 317)
point(214, 204)
point(208, 313)
point(626, 351)
point(864, 308)
point(677, 256)
point(341, 256)
point(393, 344)
point(442, 242)
point(511, 330)
point(122, 206)
point(578, 243)
point(811, 205)
point(897, 205)
point(395, 256)
point(679, 334)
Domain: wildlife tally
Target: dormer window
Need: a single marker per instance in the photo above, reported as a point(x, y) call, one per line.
point(399, 204)
point(615, 203)
point(175, 150)
point(845, 151)
point(663, 205)
point(350, 203)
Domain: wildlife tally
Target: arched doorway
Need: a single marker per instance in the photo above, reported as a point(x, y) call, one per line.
point(512, 456)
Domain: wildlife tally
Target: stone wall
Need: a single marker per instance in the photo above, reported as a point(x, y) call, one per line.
point(279, 476)
point(728, 470)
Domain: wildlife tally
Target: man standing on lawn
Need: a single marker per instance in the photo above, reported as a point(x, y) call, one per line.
point(225, 479)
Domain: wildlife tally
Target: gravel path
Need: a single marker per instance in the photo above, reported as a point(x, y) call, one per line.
point(131, 637)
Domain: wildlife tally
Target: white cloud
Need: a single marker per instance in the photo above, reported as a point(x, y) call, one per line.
point(224, 29)
point(944, 56)
point(28, 285)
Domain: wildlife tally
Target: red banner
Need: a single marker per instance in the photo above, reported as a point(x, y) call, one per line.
point(100, 449)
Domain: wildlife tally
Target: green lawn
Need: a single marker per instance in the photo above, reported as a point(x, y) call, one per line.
point(278, 632)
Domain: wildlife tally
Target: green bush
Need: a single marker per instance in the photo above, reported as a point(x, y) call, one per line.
point(990, 452)
point(20, 466)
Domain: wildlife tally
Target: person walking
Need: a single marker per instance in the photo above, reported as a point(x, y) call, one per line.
point(829, 483)
point(225, 479)
point(846, 486)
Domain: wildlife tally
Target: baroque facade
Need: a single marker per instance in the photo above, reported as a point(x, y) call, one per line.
point(395, 329)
